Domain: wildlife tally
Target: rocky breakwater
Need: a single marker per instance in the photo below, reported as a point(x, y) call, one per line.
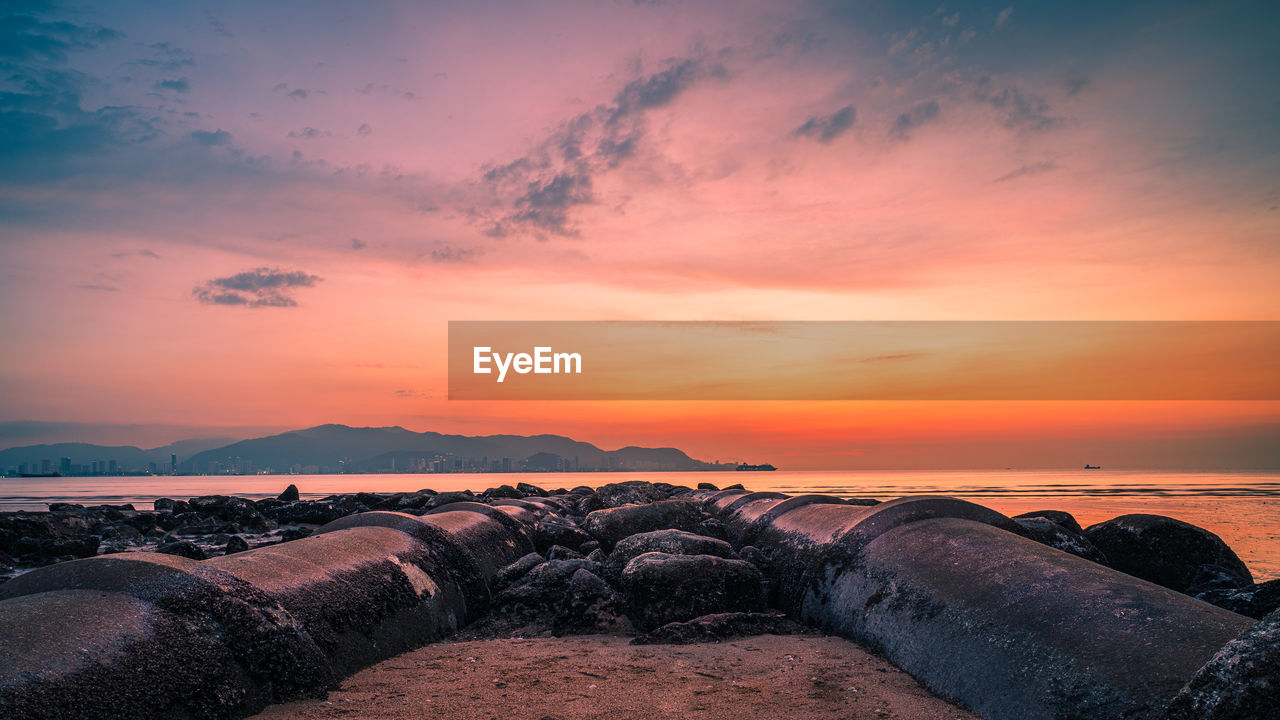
point(1028, 617)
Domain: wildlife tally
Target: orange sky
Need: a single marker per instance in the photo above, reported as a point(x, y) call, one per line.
point(265, 219)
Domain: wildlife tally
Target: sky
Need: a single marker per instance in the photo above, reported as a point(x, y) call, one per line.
point(247, 217)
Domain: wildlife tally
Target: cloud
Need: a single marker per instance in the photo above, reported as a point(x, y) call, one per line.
point(364, 129)
point(918, 115)
point(260, 287)
point(1004, 16)
point(453, 254)
point(536, 192)
point(215, 138)
point(358, 244)
point(24, 38)
point(1021, 111)
point(825, 128)
point(181, 85)
point(1038, 168)
point(298, 93)
point(99, 288)
point(309, 133)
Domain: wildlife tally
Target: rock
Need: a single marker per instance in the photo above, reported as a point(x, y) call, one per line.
point(290, 494)
point(613, 524)
point(502, 491)
point(164, 504)
point(589, 546)
point(235, 544)
point(1047, 532)
point(516, 570)
point(1255, 601)
point(707, 486)
point(48, 550)
point(1164, 551)
point(311, 512)
point(1065, 519)
point(671, 542)
point(183, 548)
point(631, 492)
point(64, 507)
point(449, 497)
point(561, 597)
point(1240, 682)
point(597, 555)
point(719, 626)
point(735, 486)
point(527, 490)
point(559, 552)
point(660, 588)
point(556, 530)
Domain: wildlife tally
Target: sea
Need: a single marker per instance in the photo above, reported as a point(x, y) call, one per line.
point(1242, 508)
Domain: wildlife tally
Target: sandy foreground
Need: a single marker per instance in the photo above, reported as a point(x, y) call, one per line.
point(767, 676)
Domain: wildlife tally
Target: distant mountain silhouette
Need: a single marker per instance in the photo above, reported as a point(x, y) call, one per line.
point(325, 448)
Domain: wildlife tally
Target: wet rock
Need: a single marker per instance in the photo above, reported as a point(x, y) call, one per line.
point(613, 524)
point(1255, 601)
point(182, 548)
point(660, 588)
point(527, 490)
point(502, 491)
point(311, 512)
point(290, 494)
point(556, 530)
point(631, 492)
point(559, 552)
point(1164, 551)
point(1240, 682)
point(516, 570)
point(718, 627)
point(1065, 519)
point(1047, 532)
point(235, 544)
point(671, 542)
point(561, 597)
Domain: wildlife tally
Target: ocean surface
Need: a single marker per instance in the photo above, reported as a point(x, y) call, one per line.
point(1241, 508)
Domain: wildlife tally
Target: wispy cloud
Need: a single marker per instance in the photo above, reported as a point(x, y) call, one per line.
point(825, 128)
point(260, 287)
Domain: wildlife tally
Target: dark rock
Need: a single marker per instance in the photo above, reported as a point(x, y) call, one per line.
point(712, 527)
point(290, 494)
point(294, 533)
point(735, 486)
point(41, 551)
point(1164, 551)
point(589, 546)
point(1065, 519)
point(597, 555)
point(1047, 532)
point(1240, 682)
point(671, 542)
point(707, 486)
point(1255, 601)
point(235, 544)
point(120, 531)
point(718, 627)
point(413, 501)
point(503, 491)
point(64, 507)
point(164, 504)
point(449, 497)
point(631, 492)
point(527, 490)
point(1209, 578)
point(311, 512)
point(613, 524)
point(515, 571)
point(182, 548)
point(661, 588)
point(556, 530)
point(559, 552)
point(561, 597)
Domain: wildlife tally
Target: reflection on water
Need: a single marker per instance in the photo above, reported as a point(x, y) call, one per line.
point(1242, 508)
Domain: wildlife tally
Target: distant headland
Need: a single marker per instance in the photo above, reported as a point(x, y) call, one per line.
point(334, 449)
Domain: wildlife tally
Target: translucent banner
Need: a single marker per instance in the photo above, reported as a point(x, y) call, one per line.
point(1233, 360)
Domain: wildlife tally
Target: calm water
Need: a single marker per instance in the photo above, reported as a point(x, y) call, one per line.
point(1242, 508)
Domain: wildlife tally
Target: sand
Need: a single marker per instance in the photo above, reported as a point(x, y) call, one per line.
point(600, 676)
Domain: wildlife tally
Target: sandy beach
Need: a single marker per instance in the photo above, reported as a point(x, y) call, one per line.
point(572, 678)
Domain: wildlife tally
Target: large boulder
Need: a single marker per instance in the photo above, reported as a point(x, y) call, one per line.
point(613, 524)
point(1047, 532)
point(1058, 517)
point(631, 492)
point(555, 530)
point(1164, 551)
point(1241, 682)
point(560, 597)
point(671, 542)
point(661, 588)
point(1254, 601)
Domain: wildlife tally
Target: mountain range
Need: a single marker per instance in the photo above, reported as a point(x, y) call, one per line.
point(341, 448)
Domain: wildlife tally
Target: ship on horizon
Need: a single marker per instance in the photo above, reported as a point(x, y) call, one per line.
point(744, 467)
